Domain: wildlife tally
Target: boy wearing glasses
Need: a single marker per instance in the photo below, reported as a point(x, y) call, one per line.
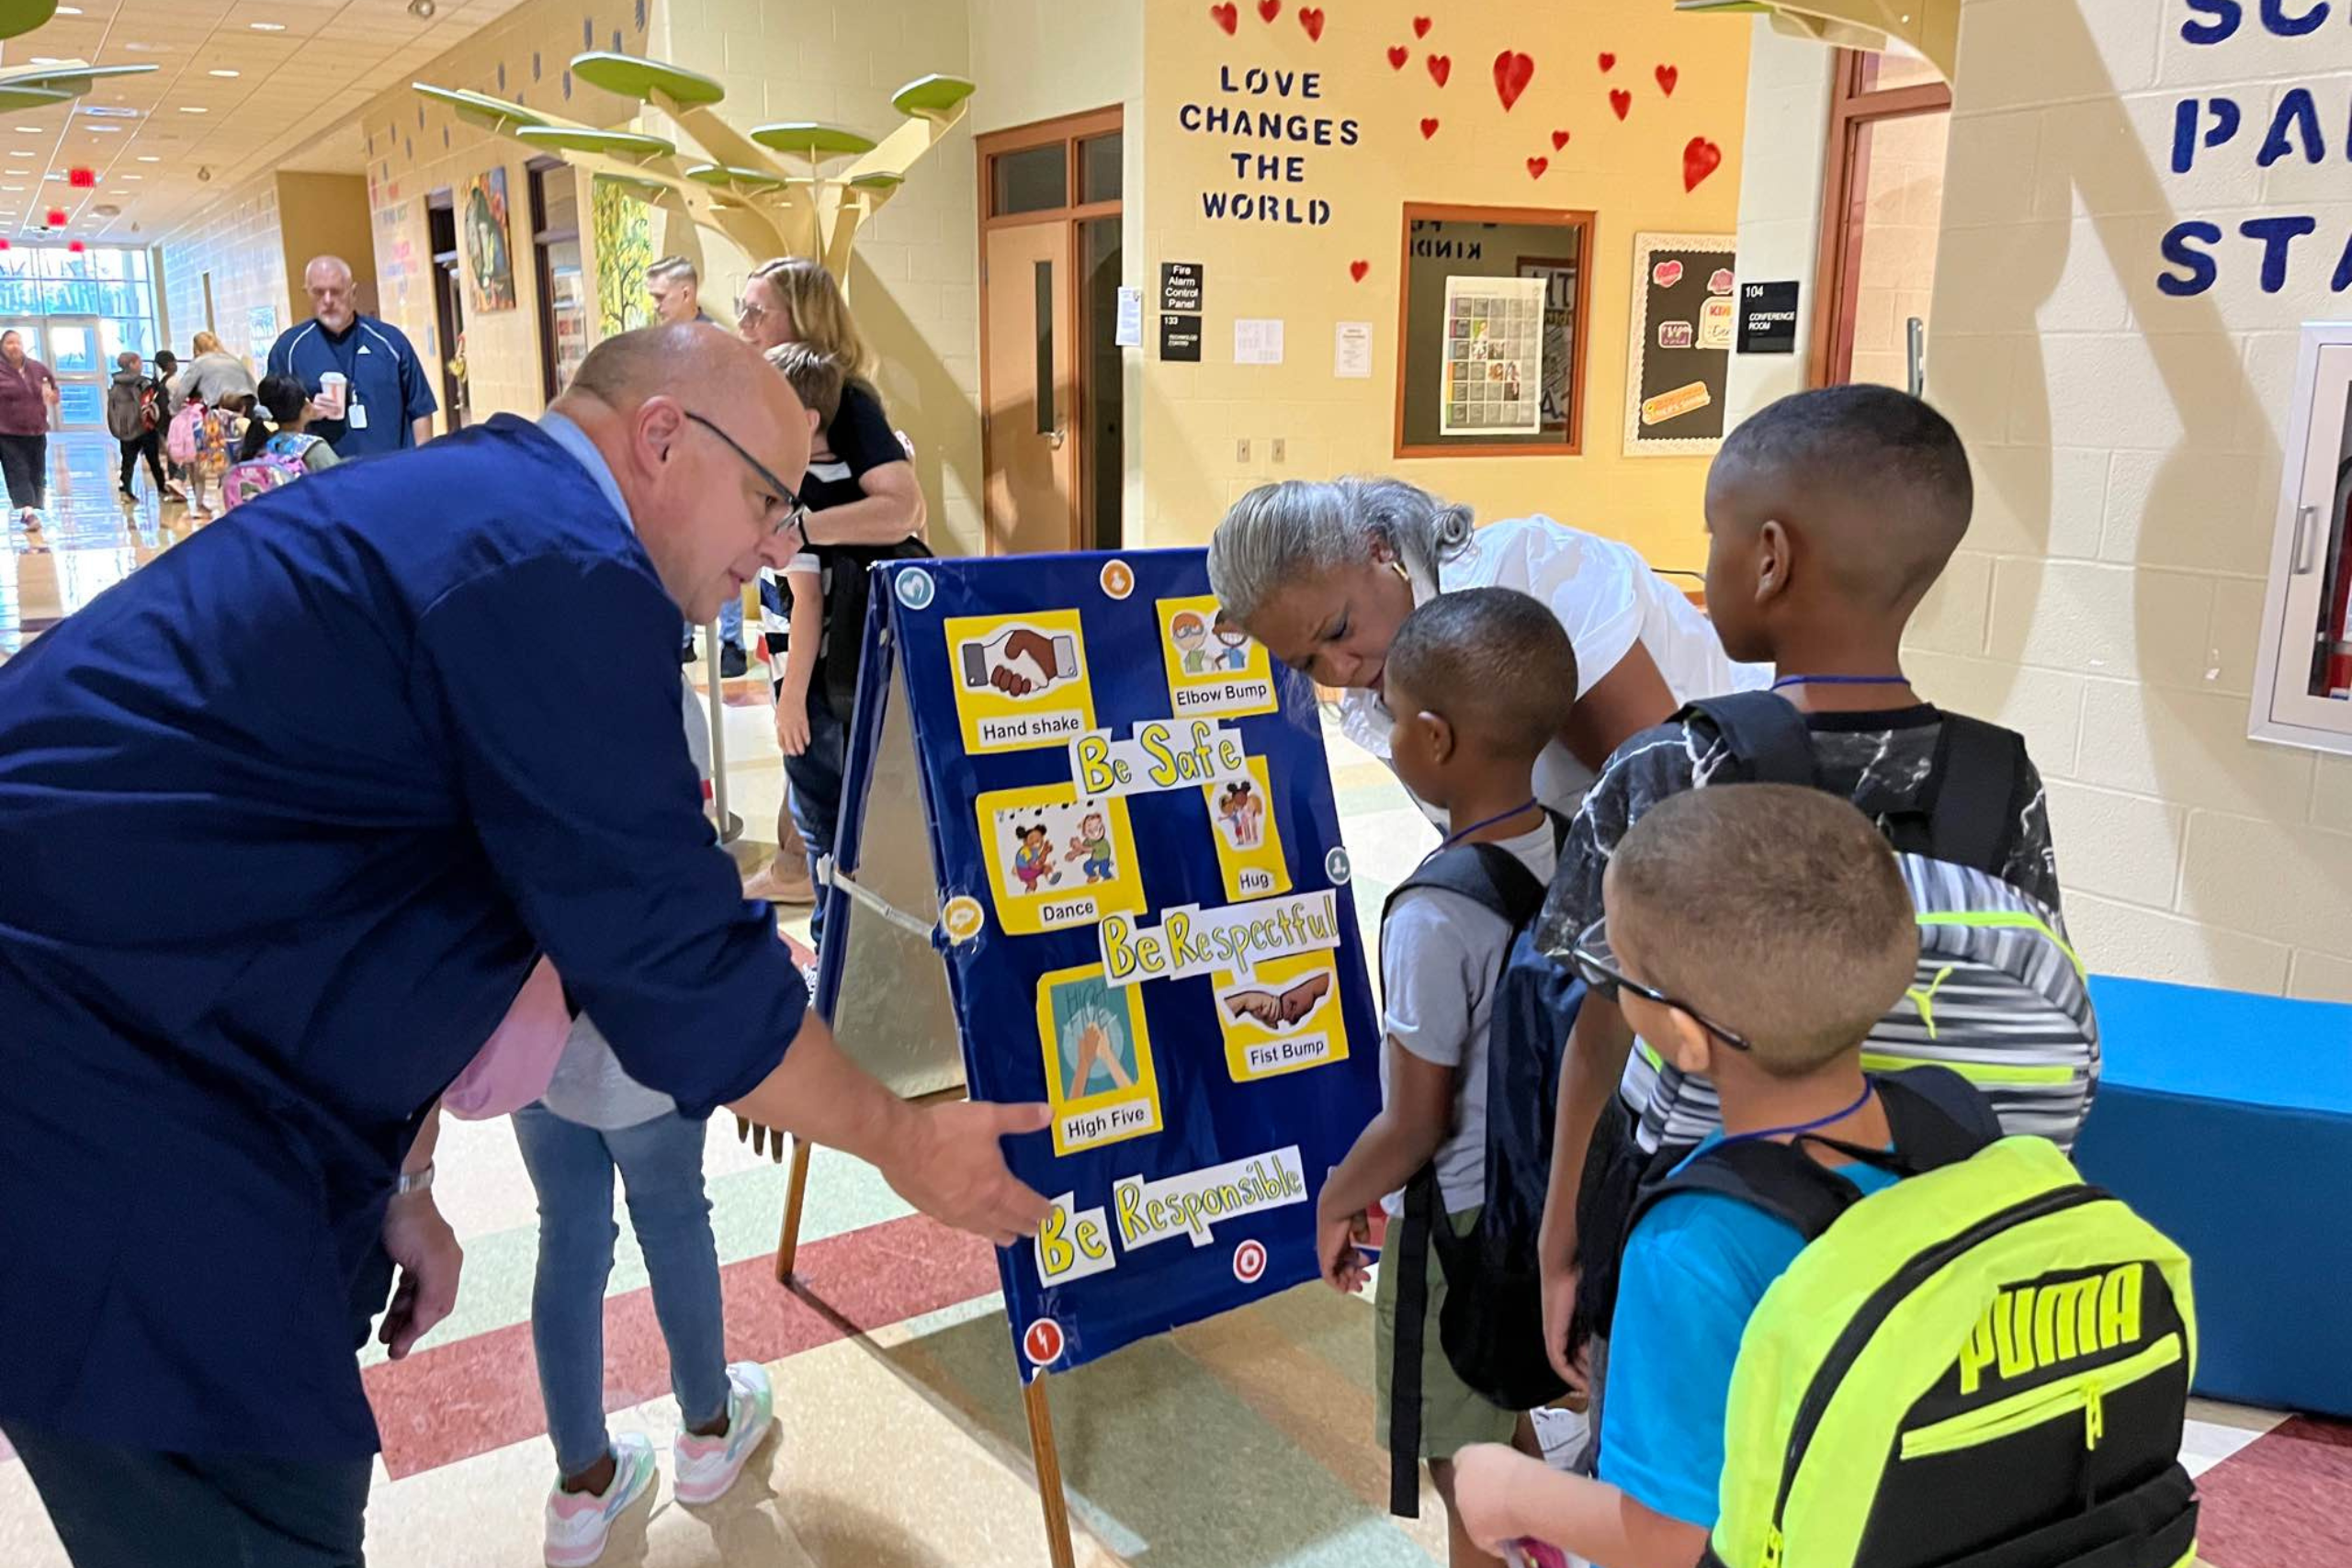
point(1479, 682)
point(1754, 934)
point(1830, 515)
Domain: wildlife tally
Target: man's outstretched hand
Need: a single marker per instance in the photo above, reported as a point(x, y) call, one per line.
point(953, 1169)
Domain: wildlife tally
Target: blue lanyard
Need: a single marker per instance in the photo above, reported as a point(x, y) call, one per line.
point(1813, 1126)
point(1787, 681)
point(1454, 839)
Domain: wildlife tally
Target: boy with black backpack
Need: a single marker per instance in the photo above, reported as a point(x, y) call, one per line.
point(1830, 516)
point(1856, 1327)
point(135, 419)
point(1480, 682)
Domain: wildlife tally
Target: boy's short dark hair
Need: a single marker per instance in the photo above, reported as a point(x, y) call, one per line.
point(816, 377)
point(1776, 911)
point(1493, 663)
point(1879, 475)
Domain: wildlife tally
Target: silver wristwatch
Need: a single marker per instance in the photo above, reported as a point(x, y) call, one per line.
point(414, 1181)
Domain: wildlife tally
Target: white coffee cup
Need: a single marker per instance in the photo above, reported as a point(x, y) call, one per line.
point(335, 387)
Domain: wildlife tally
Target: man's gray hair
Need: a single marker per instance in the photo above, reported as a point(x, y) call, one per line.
point(1279, 534)
point(674, 266)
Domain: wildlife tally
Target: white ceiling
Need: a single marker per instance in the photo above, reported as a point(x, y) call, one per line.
point(294, 102)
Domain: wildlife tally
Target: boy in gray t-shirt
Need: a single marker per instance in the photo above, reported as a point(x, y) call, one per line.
point(1479, 682)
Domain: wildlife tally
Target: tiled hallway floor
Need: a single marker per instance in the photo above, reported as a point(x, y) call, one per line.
point(1244, 1442)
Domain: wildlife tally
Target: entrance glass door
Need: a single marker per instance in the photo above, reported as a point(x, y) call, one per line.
point(77, 359)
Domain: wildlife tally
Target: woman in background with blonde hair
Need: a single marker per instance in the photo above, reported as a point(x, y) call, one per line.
point(215, 376)
point(864, 494)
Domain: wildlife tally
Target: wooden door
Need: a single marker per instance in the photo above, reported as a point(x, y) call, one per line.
point(1031, 461)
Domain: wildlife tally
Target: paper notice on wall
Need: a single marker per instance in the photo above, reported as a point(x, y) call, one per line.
point(1351, 351)
point(1257, 342)
point(1130, 328)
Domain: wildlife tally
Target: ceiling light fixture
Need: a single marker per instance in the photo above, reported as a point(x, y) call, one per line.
point(104, 129)
point(219, 72)
point(69, 10)
point(30, 129)
point(192, 108)
point(134, 176)
point(421, 9)
point(149, 158)
point(268, 27)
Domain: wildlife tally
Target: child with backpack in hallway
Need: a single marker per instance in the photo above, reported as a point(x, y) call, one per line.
point(1830, 515)
point(1856, 1327)
point(135, 419)
point(275, 450)
point(1480, 681)
point(198, 442)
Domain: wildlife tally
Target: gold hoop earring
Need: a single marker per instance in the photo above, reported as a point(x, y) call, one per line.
point(1398, 568)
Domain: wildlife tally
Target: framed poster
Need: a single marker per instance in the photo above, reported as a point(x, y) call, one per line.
point(1684, 317)
point(486, 230)
point(1493, 370)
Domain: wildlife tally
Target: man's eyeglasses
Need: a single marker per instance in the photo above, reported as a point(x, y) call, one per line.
point(796, 511)
point(1596, 965)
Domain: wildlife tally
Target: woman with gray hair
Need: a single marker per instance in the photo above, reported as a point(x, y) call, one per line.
point(1323, 572)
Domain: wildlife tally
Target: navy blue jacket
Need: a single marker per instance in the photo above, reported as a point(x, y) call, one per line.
point(285, 818)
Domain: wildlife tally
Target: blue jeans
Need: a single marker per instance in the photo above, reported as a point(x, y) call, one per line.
point(571, 1169)
point(730, 625)
point(815, 776)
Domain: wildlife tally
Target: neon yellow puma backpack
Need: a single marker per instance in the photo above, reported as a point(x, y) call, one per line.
point(1985, 1365)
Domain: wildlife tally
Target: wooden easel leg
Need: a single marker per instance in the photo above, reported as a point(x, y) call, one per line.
point(788, 1247)
point(1049, 1474)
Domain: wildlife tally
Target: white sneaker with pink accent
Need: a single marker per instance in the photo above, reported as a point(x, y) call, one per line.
point(708, 1466)
point(579, 1523)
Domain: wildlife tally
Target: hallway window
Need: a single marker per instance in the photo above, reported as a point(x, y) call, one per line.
point(1881, 207)
point(1492, 329)
point(76, 313)
point(563, 287)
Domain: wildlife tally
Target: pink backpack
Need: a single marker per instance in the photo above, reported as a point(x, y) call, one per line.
point(263, 472)
point(185, 438)
point(513, 1067)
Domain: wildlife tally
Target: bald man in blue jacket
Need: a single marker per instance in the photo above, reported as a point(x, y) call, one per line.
point(362, 802)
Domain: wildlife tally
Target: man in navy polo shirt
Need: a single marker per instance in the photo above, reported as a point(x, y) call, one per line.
point(365, 803)
point(389, 399)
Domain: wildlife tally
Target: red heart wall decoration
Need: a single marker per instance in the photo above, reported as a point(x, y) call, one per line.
point(1421, 27)
point(1700, 158)
point(1512, 72)
point(1357, 269)
point(1226, 17)
point(1429, 129)
point(1440, 67)
point(1536, 167)
point(1397, 55)
point(1269, 9)
point(1313, 22)
point(1608, 64)
point(1666, 77)
point(1559, 140)
point(1621, 101)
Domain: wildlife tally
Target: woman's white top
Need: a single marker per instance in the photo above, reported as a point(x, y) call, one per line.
point(1607, 599)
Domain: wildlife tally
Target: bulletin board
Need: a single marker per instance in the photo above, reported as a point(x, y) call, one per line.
point(1137, 911)
point(1685, 318)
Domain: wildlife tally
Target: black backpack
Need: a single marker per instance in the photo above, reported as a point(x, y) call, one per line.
point(1492, 1326)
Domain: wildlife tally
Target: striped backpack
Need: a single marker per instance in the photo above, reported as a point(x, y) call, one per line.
point(2000, 996)
point(1985, 1365)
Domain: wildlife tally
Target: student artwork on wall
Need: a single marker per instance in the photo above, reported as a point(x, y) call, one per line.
point(483, 226)
point(1685, 312)
point(1493, 367)
point(623, 228)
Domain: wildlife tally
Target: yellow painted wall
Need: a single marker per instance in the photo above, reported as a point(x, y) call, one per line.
point(325, 215)
point(2128, 443)
point(1629, 172)
point(415, 148)
point(914, 287)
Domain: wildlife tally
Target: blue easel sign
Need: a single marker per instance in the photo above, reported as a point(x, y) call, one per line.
point(1145, 919)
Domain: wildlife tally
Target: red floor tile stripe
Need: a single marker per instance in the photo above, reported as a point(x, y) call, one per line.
point(2279, 1501)
point(455, 1400)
